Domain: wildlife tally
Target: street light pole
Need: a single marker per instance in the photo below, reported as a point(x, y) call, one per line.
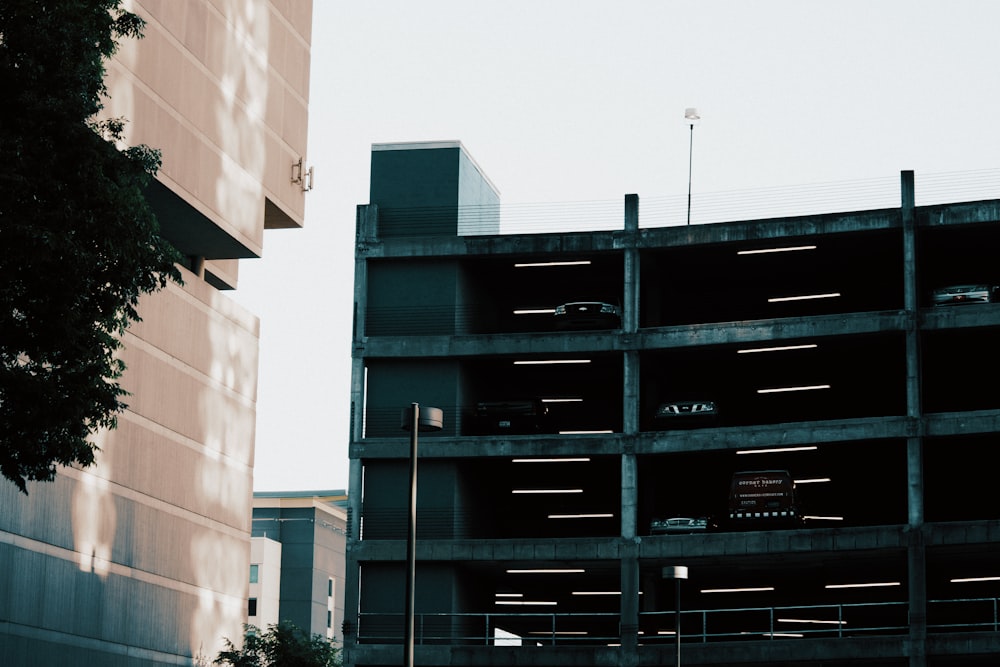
point(414, 420)
point(676, 572)
point(691, 114)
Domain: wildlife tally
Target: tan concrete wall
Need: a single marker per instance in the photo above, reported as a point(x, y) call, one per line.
point(143, 558)
point(147, 550)
point(221, 87)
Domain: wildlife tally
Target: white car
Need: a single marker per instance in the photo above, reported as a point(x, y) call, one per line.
point(678, 525)
point(962, 294)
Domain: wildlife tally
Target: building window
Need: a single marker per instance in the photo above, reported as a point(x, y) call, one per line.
point(329, 619)
point(252, 607)
point(329, 588)
point(254, 569)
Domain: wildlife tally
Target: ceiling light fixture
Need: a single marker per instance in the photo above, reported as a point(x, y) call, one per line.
point(543, 491)
point(872, 584)
point(803, 297)
point(775, 450)
point(542, 362)
point(779, 348)
point(534, 311)
point(814, 480)
point(758, 589)
point(577, 262)
point(607, 430)
point(967, 580)
point(763, 251)
point(565, 460)
point(582, 516)
point(783, 390)
point(547, 570)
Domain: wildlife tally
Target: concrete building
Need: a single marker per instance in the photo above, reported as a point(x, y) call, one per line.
point(142, 558)
point(816, 338)
point(298, 560)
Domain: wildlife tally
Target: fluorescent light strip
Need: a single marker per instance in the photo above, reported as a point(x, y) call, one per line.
point(534, 311)
point(578, 262)
point(803, 297)
point(581, 516)
point(558, 632)
point(542, 491)
point(542, 362)
point(552, 570)
point(873, 584)
point(810, 620)
point(814, 480)
point(562, 400)
point(780, 390)
point(738, 590)
point(763, 251)
point(776, 450)
point(782, 634)
point(566, 460)
point(780, 348)
point(967, 580)
point(823, 518)
point(510, 595)
point(585, 432)
point(596, 593)
point(525, 603)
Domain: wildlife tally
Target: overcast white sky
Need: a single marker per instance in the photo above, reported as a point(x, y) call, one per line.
point(583, 100)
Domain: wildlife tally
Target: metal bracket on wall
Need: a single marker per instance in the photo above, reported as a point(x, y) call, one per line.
point(302, 176)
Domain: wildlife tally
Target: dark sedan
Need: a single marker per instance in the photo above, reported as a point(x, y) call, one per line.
point(588, 315)
point(678, 414)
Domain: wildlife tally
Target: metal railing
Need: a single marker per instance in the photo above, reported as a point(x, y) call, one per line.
point(837, 621)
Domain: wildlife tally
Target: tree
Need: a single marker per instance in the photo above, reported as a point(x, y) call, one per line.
point(78, 243)
point(283, 645)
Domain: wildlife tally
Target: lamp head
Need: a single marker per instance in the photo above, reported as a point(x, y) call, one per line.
point(428, 419)
point(691, 114)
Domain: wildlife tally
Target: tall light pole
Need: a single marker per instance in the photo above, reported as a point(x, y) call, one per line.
point(414, 420)
point(677, 572)
point(691, 115)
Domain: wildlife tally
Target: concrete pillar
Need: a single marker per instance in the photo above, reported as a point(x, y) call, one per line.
point(630, 305)
point(352, 567)
point(630, 495)
point(630, 317)
point(916, 553)
point(629, 622)
point(366, 223)
point(630, 392)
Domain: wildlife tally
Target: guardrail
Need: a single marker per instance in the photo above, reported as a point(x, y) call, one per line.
point(697, 626)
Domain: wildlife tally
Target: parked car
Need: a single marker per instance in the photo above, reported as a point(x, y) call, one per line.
point(588, 315)
point(512, 416)
point(962, 294)
point(678, 525)
point(677, 414)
